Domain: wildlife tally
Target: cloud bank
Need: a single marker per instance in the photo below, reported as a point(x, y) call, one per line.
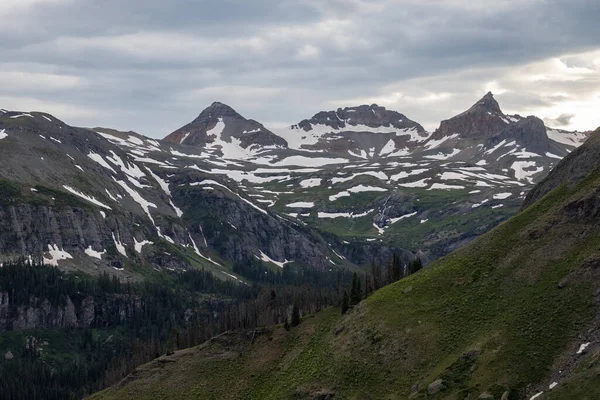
point(151, 65)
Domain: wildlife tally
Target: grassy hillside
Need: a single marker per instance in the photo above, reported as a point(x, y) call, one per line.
point(504, 314)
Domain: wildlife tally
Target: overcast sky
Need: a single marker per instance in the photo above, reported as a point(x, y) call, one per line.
point(153, 65)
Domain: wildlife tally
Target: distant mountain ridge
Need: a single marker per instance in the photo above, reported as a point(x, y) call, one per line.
point(368, 132)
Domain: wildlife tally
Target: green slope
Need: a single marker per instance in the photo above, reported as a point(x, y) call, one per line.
point(501, 314)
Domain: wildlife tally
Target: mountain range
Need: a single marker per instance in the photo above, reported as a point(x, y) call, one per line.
point(341, 189)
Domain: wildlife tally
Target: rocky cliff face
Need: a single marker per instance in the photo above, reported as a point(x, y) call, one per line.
point(529, 133)
point(82, 238)
point(73, 313)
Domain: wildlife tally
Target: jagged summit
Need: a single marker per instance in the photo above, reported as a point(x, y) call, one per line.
point(371, 116)
point(487, 104)
point(483, 119)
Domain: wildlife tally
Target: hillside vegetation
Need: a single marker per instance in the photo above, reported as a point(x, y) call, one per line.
point(502, 317)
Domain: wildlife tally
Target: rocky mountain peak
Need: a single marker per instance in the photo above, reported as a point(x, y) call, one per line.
point(487, 104)
point(221, 123)
point(483, 120)
point(366, 116)
point(217, 110)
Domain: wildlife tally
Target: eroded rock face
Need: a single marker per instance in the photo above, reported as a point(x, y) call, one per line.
point(236, 233)
point(28, 230)
point(531, 134)
point(69, 313)
point(40, 314)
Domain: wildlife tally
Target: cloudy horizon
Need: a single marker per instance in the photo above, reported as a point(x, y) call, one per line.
point(152, 66)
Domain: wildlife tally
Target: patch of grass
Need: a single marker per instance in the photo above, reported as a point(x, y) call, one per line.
point(10, 192)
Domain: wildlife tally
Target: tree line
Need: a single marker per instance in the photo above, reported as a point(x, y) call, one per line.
point(377, 278)
point(134, 323)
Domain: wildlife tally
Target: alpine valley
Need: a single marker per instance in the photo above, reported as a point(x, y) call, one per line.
point(118, 248)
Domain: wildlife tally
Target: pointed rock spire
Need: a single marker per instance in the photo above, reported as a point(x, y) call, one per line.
point(487, 104)
point(483, 119)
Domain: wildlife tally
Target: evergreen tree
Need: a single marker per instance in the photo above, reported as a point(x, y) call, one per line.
point(345, 303)
point(396, 268)
point(286, 325)
point(415, 266)
point(376, 275)
point(418, 265)
point(295, 316)
point(356, 291)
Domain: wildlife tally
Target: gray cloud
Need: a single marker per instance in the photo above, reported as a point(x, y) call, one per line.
point(561, 120)
point(152, 65)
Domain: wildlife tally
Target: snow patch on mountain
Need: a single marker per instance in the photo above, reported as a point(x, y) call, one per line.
point(394, 220)
point(357, 189)
point(523, 169)
point(502, 196)
point(56, 255)
point(418, 184)
point(86, 197)
point(265, 258)
point(120, 246)
point(343, 215)
point(93, 253)
point(574, 139)
point(443, 186)
point(139, 245)
point(311, 182)
point(301, 204)
point(98, 158)
point(138, 199)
